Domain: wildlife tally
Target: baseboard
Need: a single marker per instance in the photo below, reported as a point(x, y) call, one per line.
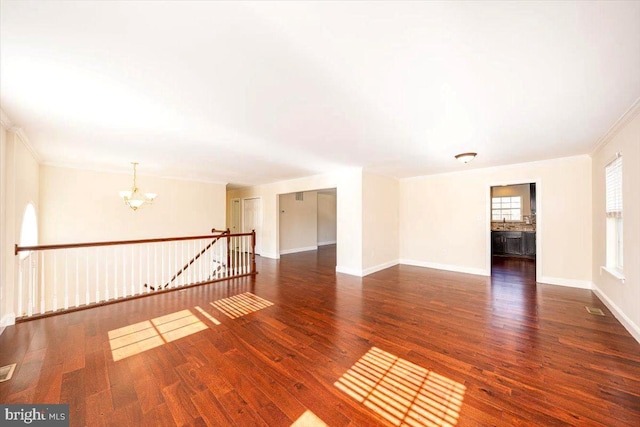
point(379, 267)
point(571, 283)
point(330, 242)
point(628, 324)
point(269, 255)
point(446, 267)
point(296, 250)
point(348, 270)
point(8, 320)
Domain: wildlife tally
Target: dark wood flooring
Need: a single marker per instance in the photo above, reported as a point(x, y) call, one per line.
point(406, 345)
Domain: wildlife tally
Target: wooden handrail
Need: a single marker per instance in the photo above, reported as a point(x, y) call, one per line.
point(198, 255)
point(121, 242)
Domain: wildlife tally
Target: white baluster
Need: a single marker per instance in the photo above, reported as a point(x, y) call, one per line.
point(124, 271)
point(148, 265)
point(140, 270)
point(133, 282)
point(182, 262)
point(87, 298)
point(97, 252)
point(115, 272)
point(106, 273)
point(77, 278)
point(42, 282)
point(20, 285)
point(155, 265)
point(55, 281)
point(66, 279)
point(162, 262)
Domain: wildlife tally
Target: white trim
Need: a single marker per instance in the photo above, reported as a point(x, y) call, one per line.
point(5, 121)
point(380, 267)
point(615, 273)
point(119, 171)
point(495, 168)
point(296, 250)
point(628, 324)
point(8, 319)
point(571, 283)
point(539, 220)
point(446, 267)
point(348, 270)
point(329, 242)
point(619, 124)
point(269, 255)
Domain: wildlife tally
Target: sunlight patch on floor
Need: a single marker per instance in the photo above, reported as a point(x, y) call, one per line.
point(241, 305)
point(208, 316)
point(403, 393)
point(143, 336)
point(308, 419)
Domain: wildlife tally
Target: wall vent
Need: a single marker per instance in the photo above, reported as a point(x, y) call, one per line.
point(6, 372)
point(596, 311)
point(300, 196)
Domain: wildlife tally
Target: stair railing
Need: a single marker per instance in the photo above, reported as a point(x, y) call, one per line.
point(52, 279)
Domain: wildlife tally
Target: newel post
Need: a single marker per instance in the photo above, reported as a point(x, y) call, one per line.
point(228, 232)
point(253, 252)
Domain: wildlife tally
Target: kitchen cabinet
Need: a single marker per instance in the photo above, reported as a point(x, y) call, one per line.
point(513, 243)
point(529, 243)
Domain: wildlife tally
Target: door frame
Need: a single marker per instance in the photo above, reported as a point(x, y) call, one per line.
point(539, 221)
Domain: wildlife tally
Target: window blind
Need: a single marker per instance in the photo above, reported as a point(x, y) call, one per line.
point(613, 172)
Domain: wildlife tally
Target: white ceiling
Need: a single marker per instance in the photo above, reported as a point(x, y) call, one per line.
point(250, 93)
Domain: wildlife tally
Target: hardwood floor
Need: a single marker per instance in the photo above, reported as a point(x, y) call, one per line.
point(301, 343)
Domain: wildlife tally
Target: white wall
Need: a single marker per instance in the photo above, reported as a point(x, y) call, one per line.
point(327, 221)
point(83, 206)
point(348, 184)
point(298, 222)
point(444, 218)
point(380, 222)
point(623, 298)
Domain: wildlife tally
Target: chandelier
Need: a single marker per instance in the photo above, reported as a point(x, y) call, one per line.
point(135, 197)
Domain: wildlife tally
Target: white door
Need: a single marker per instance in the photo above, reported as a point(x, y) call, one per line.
point(235, 216)
point(252, 221)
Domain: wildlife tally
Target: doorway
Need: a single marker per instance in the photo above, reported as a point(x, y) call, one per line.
point(307, 222)
point(513, 229)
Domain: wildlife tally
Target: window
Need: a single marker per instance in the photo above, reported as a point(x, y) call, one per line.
point(613, 176)
point(507, 208)
point(29, 230)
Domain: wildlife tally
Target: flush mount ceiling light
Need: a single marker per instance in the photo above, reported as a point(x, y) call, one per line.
point(135, 197)
point(466, 157)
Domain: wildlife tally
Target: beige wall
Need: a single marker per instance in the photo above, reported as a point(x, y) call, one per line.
point(82, 206)
point(444, 219)
point(623, 298)
point(20, 171)
point(327, 221)
point(380, 221)
point(298, 222)
point(348, 184)
point(4, 244)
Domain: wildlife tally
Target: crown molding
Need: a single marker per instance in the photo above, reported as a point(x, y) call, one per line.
point(120, 171)
point(5, 121)
point(626, 117)
point(9, 125)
